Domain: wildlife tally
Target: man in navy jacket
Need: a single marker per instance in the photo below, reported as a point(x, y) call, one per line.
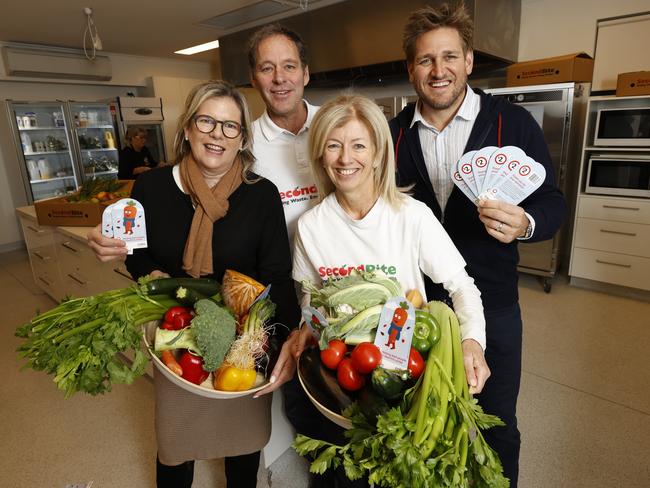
point(448, 120)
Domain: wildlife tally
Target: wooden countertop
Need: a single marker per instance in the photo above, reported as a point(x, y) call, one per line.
point(78, 233)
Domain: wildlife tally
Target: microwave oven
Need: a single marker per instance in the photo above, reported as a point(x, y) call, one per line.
point(623, 127)
point(619, 175)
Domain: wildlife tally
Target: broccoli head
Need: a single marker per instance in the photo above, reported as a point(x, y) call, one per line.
point(210, 336)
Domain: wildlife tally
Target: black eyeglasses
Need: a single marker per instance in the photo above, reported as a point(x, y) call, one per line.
point(206, 124)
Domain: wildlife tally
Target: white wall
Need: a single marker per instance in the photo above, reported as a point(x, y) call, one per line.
point(130, 74)
point(556, 27)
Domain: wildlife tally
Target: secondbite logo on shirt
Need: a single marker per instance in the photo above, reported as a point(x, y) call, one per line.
point(342, 271)
point(299, 194)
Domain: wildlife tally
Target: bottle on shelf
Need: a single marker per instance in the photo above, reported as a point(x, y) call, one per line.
point(44, 168)
point(26, 143)
point(32, 167)
point(109, 140)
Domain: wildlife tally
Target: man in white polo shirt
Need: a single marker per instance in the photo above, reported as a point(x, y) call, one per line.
point(278, 65)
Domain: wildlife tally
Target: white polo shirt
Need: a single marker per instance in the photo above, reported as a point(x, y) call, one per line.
point(283, 158)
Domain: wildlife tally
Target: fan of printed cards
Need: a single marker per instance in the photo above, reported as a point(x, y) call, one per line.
point(498, 173)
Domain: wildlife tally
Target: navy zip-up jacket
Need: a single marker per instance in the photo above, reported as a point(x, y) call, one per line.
point(492, 264)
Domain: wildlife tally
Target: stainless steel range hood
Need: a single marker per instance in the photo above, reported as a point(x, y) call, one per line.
point(362, 39)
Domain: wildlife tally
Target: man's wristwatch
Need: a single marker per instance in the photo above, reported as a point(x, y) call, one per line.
point(529, 232)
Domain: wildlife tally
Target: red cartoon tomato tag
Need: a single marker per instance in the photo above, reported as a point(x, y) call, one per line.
point(395, 333)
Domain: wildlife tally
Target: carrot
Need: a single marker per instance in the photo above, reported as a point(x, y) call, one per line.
point(169, 360)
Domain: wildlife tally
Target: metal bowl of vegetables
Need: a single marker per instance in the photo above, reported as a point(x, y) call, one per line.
point(206, 387)
point(322, 389)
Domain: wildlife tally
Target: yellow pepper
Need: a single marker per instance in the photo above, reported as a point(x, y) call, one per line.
point(231, 378)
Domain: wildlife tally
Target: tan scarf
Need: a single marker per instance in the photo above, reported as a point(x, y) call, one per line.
point(211, 205)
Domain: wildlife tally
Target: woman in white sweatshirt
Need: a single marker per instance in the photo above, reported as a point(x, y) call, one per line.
point(365, 222)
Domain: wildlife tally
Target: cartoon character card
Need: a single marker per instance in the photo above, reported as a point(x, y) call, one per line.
point(125, 220)
point(395, 333)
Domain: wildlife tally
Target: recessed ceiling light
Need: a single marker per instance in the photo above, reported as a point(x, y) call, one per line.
point(198, 49)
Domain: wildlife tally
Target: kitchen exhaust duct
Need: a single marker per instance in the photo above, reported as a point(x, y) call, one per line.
point(360, 41)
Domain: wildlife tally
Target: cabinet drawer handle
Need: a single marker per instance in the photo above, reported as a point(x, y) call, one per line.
point(76, 279)
point(41, 257)
point(621, 208)
point(67, 245)
point(614, 264)
point(45, 281)
point(35, 230)
point(122, 273)
point(631, 234)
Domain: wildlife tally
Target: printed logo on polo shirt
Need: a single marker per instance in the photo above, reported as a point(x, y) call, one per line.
point(336, 272)
point(299, 194)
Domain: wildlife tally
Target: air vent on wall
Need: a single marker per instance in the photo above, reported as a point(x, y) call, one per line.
point(261, 12)
point(56, 63)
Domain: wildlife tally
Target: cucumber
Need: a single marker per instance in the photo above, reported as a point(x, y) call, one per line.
point(168, 286)
point(188, 296)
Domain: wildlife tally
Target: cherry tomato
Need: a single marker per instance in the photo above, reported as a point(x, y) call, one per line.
point(365, 357)
point(331, 357)
point(167, 326)
point(192, 366)
point(348, 377)
point(416, 363)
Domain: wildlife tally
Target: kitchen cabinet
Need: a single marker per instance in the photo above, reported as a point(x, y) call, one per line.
point(611, 233)
point(62, 263)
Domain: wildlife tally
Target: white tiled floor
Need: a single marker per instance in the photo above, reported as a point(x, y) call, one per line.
point(584, 407)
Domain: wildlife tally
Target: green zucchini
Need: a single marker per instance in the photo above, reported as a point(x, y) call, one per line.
point(168, 286)
point(188, 296)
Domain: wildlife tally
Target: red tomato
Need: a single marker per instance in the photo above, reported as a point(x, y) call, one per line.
point(192, 366)
point(349, 378)
point(365, 357)
point(331, 357)
point(416, 363)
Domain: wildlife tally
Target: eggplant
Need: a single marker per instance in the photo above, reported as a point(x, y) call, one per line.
point(321, 383)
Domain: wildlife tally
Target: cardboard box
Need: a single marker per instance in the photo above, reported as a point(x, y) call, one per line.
point(572, 67)
point(60, 212)
point(633, 83)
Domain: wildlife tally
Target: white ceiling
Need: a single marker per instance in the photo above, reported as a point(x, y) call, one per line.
point(139, 27)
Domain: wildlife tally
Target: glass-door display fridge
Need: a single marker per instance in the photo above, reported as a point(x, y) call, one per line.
point(62, 144)
point(43, 144)
point(95, 138)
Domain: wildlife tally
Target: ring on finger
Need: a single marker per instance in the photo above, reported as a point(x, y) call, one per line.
point(499, 227)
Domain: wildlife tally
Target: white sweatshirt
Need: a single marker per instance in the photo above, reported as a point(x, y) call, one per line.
point(401, 243)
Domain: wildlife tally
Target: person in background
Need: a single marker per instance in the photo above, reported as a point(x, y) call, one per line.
point(206, 214)
point(430, 136)
point(135, 157)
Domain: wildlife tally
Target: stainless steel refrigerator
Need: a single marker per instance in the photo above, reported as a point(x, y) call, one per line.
point(559, 109)
point(60, 144)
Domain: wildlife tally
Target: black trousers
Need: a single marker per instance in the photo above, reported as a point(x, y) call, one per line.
point(241, 472)
point(310, 422)
point(499, 397)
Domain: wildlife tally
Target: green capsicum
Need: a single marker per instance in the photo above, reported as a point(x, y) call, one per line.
point(426, 332)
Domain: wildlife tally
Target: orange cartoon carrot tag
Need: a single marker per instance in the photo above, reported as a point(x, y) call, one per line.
point(125, 220)
point(395, 333)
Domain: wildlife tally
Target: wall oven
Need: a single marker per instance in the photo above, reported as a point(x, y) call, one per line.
point(619, 175)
